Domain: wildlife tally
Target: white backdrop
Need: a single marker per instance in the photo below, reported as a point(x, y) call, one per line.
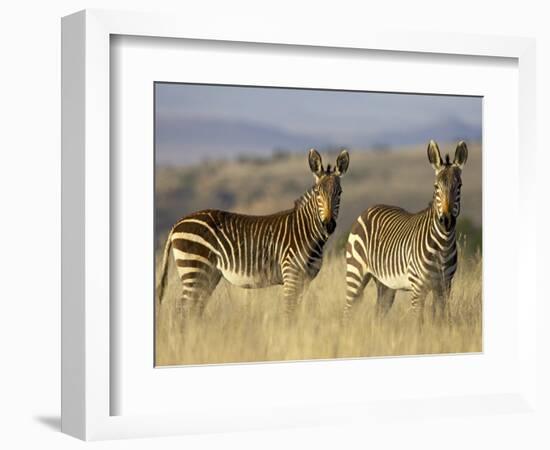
point(30, 187)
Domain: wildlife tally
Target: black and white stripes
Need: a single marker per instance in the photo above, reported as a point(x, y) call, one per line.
point(399, 250)
point(404, 251)
point(257, 251)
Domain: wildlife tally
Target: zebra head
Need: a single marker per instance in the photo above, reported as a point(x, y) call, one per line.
point(448, 182)
point(327, 188)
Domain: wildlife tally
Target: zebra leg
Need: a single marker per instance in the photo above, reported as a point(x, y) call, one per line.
point(186, 304)
point(193, 302)
point(385, 298)
point(198, 282)
point(206, 293)
point(358, 273)
point(355, 286)
point(440, 305)
point(292, 289)
point(291, 295)
point(417, 304)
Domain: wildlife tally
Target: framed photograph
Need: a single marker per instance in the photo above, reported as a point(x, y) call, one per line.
point(259, 227)
point(263, 257)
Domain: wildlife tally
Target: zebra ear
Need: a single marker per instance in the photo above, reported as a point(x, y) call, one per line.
point(461, 155)
point(342, 163)
point(315, 162)
point(434, 156)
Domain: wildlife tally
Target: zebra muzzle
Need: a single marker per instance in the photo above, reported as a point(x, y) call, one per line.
point(330, 226)
point(446, 220)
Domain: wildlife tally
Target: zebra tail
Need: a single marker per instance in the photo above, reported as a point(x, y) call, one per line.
point(164, 267)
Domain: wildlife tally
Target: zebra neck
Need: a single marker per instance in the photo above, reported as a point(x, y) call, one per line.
point(445, 238)
point(307, 209)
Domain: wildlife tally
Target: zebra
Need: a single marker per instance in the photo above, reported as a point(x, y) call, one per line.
point(410, 252)
point(257, 251)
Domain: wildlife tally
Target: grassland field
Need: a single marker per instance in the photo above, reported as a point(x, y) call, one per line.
point(248, 325)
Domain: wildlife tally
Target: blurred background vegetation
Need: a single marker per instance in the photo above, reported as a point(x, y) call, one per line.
point(263, 185)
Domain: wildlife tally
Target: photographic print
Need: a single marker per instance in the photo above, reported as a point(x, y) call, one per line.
point(300, 224)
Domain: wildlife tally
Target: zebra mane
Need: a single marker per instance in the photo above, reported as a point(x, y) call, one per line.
point(447, 160)
point(304, 198)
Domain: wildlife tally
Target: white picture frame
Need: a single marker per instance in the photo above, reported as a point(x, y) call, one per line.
point(87, 386)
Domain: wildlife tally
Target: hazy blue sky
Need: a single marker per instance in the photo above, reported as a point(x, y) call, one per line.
point(195, 122)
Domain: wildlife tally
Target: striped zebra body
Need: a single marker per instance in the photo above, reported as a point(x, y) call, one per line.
point(284, 248)
point(405, 251)
point(401, 251)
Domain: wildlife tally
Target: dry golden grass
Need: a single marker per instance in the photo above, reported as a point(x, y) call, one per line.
point(248, 325)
